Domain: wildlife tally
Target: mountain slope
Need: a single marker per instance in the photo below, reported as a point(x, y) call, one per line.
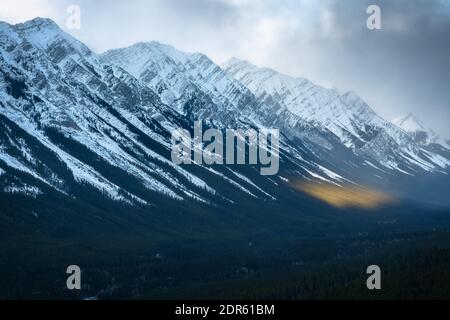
point(421, 133)
point(347, 116)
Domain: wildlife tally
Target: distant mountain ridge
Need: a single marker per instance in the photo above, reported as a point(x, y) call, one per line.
point(347, 116)
point(421, 133)
point(75, 122)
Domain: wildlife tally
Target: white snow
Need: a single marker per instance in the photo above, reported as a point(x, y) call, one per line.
point(411, 124)
point(372, 165)
point(331, 174)
point(244, 178)
point(177, 76)
point(26, 189)
point(346, 115)
point(317, 176)
point(235, 184)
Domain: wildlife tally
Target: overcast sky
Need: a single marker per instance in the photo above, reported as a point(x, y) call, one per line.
point(403, 67)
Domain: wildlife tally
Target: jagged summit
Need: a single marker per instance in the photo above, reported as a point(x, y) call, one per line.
point(410, 123)
point(420, 132)
point(38, 22)
point(157, 52)
point(44, 34)
point(242, 64)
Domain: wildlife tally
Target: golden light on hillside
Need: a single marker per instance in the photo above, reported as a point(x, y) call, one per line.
point(347, 196)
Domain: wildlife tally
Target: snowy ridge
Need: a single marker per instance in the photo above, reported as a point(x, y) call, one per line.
point(178, 77)
point(71, 119)
point(347, 116)
point(421, 133)
point(52, 83)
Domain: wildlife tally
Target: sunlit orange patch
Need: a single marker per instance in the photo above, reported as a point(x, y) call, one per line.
point(346, 196)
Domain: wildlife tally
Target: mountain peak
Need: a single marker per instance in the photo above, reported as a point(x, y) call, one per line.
point(42, 33)
point(153, 45)
point(140, 53)
point(421, 133)
point(38, 23)
point(234, 61)
point(411, 123)
point(242, 64)
point(30, 27)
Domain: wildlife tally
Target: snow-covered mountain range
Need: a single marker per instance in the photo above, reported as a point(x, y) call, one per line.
point(421, 133)
point(75, 122)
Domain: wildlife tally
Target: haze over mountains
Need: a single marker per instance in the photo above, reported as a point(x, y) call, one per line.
point(76, 123)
